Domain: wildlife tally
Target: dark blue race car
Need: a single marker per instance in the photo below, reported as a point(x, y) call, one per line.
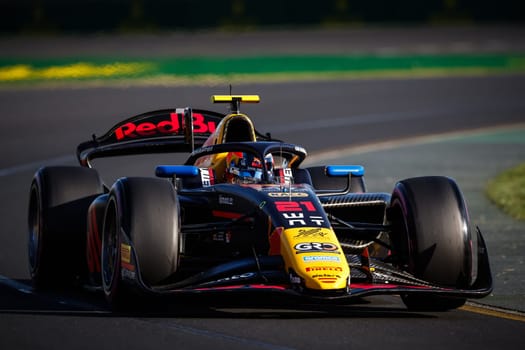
point(242, 214)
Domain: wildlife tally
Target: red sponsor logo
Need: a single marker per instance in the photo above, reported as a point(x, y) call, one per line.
point(287, 206)
point(169, 126)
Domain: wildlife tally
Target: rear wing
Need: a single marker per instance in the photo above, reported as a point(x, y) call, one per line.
point(162, 131)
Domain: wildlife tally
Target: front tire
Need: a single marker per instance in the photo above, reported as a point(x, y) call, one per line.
point(57, 222)
point(431, 233)
point(145, 213)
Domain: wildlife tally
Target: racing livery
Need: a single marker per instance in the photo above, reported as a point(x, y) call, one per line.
point(241, 214)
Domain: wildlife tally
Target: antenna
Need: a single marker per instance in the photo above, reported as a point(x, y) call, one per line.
point(235, 105)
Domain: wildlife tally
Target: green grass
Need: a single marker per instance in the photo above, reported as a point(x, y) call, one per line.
point(273, 68)
point(507, 191)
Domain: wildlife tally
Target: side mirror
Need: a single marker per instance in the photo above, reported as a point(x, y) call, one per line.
point(344, 170)
point(180, 171)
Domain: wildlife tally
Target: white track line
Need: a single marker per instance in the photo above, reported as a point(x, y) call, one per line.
point(315, 157)
point(323, 156)
point(35, 165)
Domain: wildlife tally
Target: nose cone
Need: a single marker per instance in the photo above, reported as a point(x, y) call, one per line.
point(315, 255)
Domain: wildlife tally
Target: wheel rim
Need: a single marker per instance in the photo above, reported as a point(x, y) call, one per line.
point(110, 248)
point(400, 239)
point(35, 229)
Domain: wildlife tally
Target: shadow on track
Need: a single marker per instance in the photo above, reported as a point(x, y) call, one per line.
point(79, 302)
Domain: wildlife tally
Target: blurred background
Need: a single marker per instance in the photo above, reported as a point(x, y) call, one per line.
point(88, 16)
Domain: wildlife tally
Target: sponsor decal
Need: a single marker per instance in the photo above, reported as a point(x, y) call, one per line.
point(280, 177)
point(170, 125)
point(288, 176)
point(300, 149)
point(206, 177)
point(295, 279)
point(222, 237)
point(234, 278)
point(321, 258)
point(125, 258)
point(201, 126)
point(125, 253)
point(318, 220)
point(299, 219)
point(295, 219)
point(132, 130)
point(201, 150)
point(324, 268)
point(287, 194)
point(309, 247)
point(327, 279)
point(326, 276)
point(313, 232)
point(225, 200)
point(287, 206)
point(300, 213)
point(128, 274)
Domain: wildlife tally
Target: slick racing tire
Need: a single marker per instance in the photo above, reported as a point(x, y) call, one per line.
point(431, 230)
point(321, 181)
point(141, 219)
point(57, 222)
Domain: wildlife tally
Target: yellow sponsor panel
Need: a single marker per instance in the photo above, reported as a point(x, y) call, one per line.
point(125, 253)
point(314, 253)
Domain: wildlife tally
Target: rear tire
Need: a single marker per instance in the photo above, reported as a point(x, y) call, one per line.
point(57, 222)
point(431, 231)
point(146, 211)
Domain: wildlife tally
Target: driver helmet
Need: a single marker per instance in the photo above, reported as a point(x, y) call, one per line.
point(245, 168)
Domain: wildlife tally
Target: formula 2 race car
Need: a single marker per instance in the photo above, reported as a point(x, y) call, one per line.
point(241, 214)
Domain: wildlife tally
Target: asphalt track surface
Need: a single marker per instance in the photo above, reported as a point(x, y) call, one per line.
point(355, 118)
point(387, 40)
